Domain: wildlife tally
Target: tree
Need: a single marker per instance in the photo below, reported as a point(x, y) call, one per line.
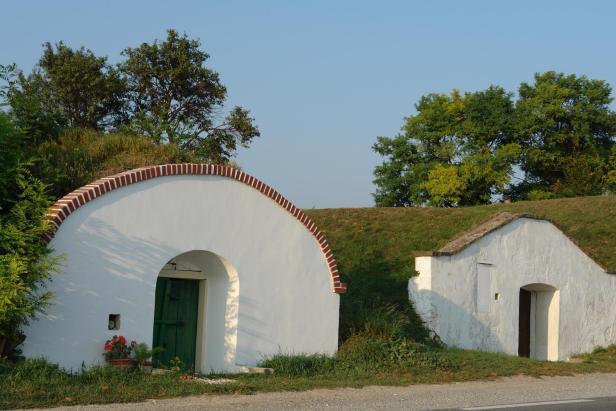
point(13, 146)
point(457, 150)
point(25, 264)
point(463, 149)
point(610, 176)
point(29, 109)
point(567, 130)
point(73, 88)
point(24, 257)
point(173, 98)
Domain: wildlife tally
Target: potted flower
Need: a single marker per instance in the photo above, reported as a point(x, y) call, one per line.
point(117, 351)
point(143, 354)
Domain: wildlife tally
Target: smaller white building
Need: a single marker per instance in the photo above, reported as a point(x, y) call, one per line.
point(516, 285)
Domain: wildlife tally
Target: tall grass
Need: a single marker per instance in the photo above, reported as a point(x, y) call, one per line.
point(364, 353)
point(79, 157)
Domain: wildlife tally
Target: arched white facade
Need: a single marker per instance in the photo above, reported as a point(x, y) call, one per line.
point(471, 298)
point(271, 272)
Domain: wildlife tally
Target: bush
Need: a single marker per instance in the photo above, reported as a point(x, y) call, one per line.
point(363, 353)
point(25, 264)
point(368, 352)
point(79, 157)
point(300, 365)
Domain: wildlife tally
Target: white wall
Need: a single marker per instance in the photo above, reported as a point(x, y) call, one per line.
point(526, 251)
point(116, 245)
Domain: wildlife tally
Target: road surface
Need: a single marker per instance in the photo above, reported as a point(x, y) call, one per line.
point(583, 392)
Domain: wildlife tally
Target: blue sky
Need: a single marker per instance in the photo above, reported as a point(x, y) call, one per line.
point(325, 78)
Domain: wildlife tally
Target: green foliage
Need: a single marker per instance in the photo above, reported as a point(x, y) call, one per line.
point(463, 149)
point(445, 185)
point(25, 265)
point(300, 365)
point(371, 353)
point(36, 383)
point(79, 157)
point(162, 90)
point(173, 97)
point(610, 176)
point(457, 150)
point(361, 353)
point(375, 249)
point(73, 88)
point(14, 151)
point(567, 128)
point(143, 353)
point(30, 110)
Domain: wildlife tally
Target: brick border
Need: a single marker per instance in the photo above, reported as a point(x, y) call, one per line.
point(72, 201)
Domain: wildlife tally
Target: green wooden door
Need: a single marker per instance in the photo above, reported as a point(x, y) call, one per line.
point(175, 320)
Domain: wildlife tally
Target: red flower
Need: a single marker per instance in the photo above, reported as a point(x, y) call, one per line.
point(107, 347)
point(122, 339)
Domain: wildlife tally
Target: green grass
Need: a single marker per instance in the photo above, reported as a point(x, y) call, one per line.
point(394, 234)
point(35, 383)
point(382, 340)
point(375, 247)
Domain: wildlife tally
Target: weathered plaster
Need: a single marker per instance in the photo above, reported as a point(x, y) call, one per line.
point(525, 251)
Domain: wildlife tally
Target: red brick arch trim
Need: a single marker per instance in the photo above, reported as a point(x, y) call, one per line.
point(72, 201)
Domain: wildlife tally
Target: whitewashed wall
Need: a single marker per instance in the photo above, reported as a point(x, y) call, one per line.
point(115, 246)
point(450, 291)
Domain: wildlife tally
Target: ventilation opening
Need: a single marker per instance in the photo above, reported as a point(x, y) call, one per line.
point(114, 322)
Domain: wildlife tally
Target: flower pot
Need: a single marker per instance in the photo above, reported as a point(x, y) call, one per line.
point(121, 362)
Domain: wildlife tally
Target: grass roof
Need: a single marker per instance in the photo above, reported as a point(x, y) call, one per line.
point(397, 234)
point(375, 247)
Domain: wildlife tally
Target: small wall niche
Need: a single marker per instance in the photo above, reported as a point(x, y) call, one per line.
point(114, 322)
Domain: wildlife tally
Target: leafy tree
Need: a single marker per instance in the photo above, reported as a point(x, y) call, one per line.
point(68, 87)
point(610, 176)
point(37, 117)
point(25, 264)
point(399, 179)
point(13, 146)
point(173, 98)
point(567, 130)
point(463, 149)
point(457, 150)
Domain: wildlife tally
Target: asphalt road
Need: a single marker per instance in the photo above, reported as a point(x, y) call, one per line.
point(589, 392)
point(582, 404)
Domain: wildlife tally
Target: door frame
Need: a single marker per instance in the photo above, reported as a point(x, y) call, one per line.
point(201, 307)
point(544, 321)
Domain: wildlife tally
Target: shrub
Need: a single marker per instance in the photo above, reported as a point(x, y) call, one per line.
point(25, 264)
point(300, 365)
point(368, 352)
point(79, 157)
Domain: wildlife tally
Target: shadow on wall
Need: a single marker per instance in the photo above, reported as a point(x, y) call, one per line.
point(455, 325)
point(106, 273)
point(221, 309)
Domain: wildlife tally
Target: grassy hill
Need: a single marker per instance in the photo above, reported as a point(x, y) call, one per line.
point(375, 247)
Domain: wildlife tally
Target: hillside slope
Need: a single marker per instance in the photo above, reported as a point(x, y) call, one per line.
point(375, 247)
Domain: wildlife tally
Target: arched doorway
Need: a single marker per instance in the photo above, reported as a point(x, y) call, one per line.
point(195, 312)
point(117, 233)
point(538, 322)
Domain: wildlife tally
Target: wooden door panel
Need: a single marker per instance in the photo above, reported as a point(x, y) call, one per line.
point(524, 324)
point(175, 320)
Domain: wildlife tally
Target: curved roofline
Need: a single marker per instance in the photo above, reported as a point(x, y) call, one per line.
point(494, 223)
point(83, 195)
